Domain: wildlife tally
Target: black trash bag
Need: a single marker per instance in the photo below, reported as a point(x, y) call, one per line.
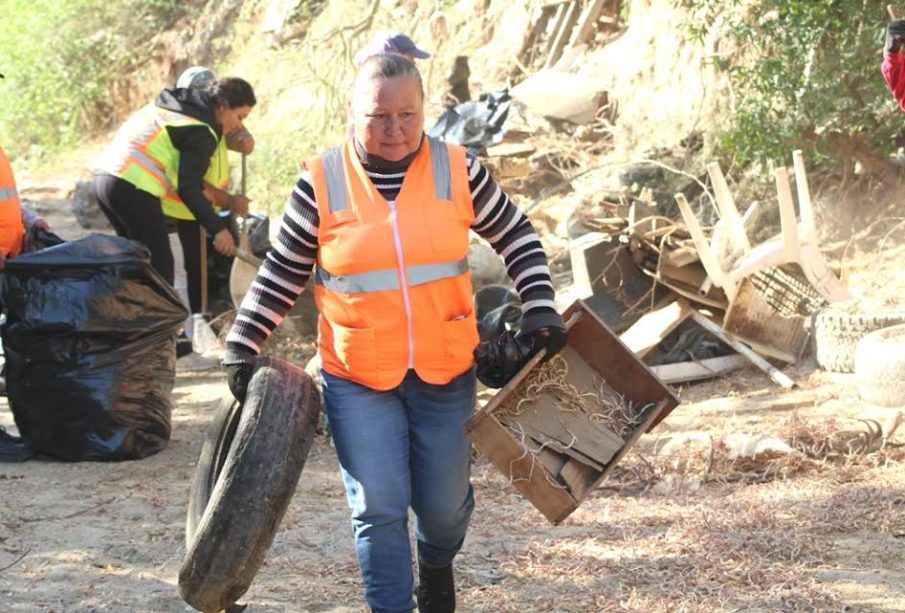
point(497, 308)
point(475, 125)
point(259, 235)
point(90, 337)
point(500, 359)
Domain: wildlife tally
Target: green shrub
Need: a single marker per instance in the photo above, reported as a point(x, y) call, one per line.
point(805, 73)
point(61, 59)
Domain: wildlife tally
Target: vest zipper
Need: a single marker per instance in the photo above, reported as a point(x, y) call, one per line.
point(404, 282)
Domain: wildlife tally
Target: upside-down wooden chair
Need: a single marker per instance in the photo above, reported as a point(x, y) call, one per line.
point(795, 244)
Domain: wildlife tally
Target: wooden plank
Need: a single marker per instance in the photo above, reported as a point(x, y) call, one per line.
point(578, 477)
point(558, 19)
point(681, 256)
point(544, 418)
point(538, 440)
point(552, 461)
point(707, 368)
point(585, 27)
point(522, 470)
point(653, 327)
point(607, 278)
point(511, 149)
point(690, 281)
point(534, 438)
point(504, 167)
point(203, 260)
point(527, 52)
point(778, 376)
point(602, 350)
point(693, 294)
point(571, 16)
point(642, 218)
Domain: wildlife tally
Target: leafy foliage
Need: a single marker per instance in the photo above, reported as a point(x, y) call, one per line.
point(803, 71)
point(61, 59)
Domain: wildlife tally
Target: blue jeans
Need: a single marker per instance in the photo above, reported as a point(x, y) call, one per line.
point(405, 447)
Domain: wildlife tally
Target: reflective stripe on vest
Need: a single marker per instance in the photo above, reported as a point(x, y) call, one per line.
point(142, 152)
point(440, 167)
point(336, 176)
point(387, 279)
point(336, 180)
point(138, 132)
point(8, 192)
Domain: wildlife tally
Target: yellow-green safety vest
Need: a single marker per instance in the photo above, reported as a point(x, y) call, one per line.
point(217, 175)
point(143, 154)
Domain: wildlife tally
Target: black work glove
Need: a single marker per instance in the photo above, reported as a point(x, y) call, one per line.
point(895, 35)
point(552, 339)
point(238, 374)
point(499, 359)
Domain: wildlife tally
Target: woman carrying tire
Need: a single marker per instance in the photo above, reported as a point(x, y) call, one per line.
point(386, 217)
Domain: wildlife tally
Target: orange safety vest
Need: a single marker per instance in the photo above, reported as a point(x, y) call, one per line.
point(392, 282)
point(12, 232)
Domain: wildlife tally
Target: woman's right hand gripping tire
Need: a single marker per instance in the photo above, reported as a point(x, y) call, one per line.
point(247, 473)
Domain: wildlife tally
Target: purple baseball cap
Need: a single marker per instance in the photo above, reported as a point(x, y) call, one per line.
point(390, 42)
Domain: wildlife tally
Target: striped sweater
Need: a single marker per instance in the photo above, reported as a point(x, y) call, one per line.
point(288, 265)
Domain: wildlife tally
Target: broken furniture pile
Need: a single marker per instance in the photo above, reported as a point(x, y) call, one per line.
point(668, 287)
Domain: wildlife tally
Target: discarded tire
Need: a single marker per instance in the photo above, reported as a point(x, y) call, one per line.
point(247, 473)
point(880, 367)
point(837, 331)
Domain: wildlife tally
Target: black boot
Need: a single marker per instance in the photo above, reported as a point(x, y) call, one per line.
point(436, 590)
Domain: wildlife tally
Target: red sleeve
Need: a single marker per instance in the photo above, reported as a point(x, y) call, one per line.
point(893, 69)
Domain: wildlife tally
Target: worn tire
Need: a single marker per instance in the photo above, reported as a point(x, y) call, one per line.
point(837, 332)
point(880, 367)
point(246, 476)
point(210, 464)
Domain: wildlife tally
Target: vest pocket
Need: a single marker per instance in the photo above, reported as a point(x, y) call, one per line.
point(356, 349)
point(460, 337)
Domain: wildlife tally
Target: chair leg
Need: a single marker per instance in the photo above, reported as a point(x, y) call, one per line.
point(805, 206)
point(708, 260)
point(787, 218)
point(728, 211)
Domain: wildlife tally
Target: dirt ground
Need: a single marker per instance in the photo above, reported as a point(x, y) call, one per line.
point(824, 533)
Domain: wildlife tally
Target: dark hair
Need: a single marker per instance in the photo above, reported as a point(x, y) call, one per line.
point(231, 92)
point(388, 66)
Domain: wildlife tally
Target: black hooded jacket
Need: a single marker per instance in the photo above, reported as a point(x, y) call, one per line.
point(196, 145)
